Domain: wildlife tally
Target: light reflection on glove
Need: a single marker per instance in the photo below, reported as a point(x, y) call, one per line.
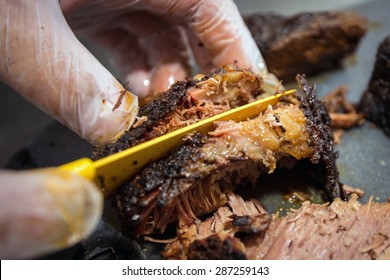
point(148, 40)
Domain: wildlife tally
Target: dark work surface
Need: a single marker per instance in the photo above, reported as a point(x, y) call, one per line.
point(19, 122)
point(364, 152)
point(54, 145)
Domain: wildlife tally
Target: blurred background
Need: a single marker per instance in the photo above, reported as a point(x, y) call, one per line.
point(20, 121)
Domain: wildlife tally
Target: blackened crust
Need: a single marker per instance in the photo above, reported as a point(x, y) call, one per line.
point(375, 102)
point(319, 126)
point(214, 248)
point(158, 114)
point(158, 187)
point(156, 177)
point(155, 111)
point(309, 42)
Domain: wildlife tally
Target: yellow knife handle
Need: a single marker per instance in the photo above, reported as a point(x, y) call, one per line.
point(83, 167)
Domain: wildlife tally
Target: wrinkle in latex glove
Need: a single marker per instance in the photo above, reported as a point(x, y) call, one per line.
point(151, 41)
point(41, 58)
point(45, 211)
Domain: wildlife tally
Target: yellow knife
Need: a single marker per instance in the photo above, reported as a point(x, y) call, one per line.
point(112, 171)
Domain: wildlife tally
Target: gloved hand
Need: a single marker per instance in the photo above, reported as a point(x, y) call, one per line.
point(41, 58)
point(45, 210)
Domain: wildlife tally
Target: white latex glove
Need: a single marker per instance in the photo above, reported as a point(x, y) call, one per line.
point(148, 40)
point(41, 58)
point(45, 210)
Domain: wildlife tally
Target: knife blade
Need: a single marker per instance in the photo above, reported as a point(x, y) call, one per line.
point(112, 171)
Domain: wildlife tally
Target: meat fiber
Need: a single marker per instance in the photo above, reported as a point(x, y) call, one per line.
point(306, 43)
point(375, 102)
point(342, 113)
point(341, 230)
point(215, 238)
point(187, 102)
point(194, 178)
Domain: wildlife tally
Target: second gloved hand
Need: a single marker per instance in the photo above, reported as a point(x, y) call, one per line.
point(45, 210)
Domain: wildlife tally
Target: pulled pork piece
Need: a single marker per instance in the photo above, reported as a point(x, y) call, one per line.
point(194, 178)
point(375, 101)
point(336, 101)
point(215, 238)
point(341, 230)
point(351, 190)
point(306, 43)
point(347, 120)
point(342, 113)
point(187, 102)
point(337, 135)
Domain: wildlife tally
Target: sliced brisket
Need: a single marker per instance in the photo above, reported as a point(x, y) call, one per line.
point(341, 230)
point(194, 178)
point(305, 43)
point(187, 102)
point(215, 238)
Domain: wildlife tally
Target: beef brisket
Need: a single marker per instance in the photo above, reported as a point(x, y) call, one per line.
point(194, 178)
point(341, 230)
point(215, 238)
point(305, 43)
point(187, 102)
point(375, 102)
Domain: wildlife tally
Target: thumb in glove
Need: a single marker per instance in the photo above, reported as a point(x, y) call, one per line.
point(45, 210)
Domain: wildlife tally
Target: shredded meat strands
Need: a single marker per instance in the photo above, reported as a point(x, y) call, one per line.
point(343, 230)
point(342, 113)
point(160, 241)
point(346, 120)
point(352, 190)
point(140, 121)
point(120, 98)
point(224, 127)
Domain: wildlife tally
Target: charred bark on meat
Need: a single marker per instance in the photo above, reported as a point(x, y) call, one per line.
point(187, 102)
point(321, 138)
point(193, 180)
point(216, 248)
point(220, 236)
point(375, 102)
point(306, 43)
point(154, 111)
